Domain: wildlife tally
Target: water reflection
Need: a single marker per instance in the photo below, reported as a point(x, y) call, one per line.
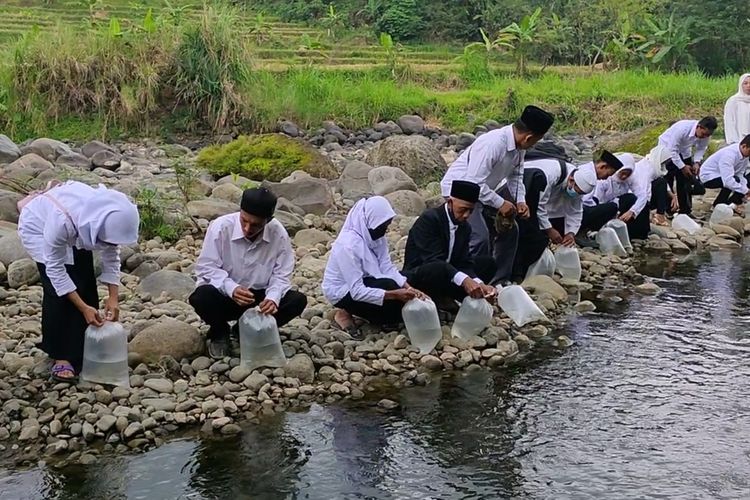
point(650, 402)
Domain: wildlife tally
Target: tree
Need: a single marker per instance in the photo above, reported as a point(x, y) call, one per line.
point(520, 38)
point(668, 43)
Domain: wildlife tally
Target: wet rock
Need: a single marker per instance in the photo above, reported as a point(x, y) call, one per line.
point(301, 367)
point(648, 288)
point(585, 306)
point(542, 284)
point(431, 363)
point(562, 341)
point(387, 404)
point(174, 284)
point(717, 242)
point(168, 337)
point(723, 230)
point(132, 429)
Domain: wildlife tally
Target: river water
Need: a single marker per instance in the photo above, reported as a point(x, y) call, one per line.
point(652, 401)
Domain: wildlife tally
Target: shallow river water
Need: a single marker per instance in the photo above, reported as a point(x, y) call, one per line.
point(652, 401)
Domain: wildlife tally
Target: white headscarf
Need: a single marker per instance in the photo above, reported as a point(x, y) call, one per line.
point(656, 158)
point(628, 164)
point(108, 217)
point(737, 114)
point(367, 213)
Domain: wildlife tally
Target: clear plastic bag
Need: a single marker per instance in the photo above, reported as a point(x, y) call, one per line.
point(721, 214)
point(682, 222)
point(105, 355)
point(519, 307)
point(622, 233)
point(544, 265)
point(474, 316)
point(568, 263)
point(260, 344)
point(422, 324)
point(609, 243)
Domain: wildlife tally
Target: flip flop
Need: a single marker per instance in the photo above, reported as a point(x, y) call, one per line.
point(352, 330)
point(62, 367)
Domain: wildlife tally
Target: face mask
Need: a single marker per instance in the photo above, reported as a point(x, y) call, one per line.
point(571, 192)
point(378, 232)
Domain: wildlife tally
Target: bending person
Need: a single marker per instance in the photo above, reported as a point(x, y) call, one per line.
point(360, 278)
point(59, 229)
point(725, 169)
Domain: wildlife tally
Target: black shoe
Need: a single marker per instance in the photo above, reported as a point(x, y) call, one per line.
point(218, 348)
point(234, 332)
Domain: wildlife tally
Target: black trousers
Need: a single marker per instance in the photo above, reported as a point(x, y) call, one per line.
point(436, 278)
point(63, 325)
point(387, 314)
point(726, 196)
point(686, 186)
point(659, 196)
point(595, 217)
point(217, 310)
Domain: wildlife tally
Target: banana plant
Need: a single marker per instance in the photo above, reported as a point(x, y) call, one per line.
point(520, 38)
point(668, 43)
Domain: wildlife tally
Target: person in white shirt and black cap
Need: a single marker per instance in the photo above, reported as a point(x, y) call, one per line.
point(437, 259)
point(246, 261)
point(687, 142)
point(495, 157)
point(554, 191)
point(725, 169)
point(59, 229)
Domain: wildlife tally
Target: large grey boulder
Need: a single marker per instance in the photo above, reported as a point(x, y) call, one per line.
point(211, 208)
point(301, 367)
point(293, 223)
point(22, 272)
point(11, 249)
point(168, 337)
point(9, 152)
point(406, 203)
point(411, 124)
point(414, 154)
point(73, 160)
point(175, 284)
point(310, 237)
point(354, 182)
point(9, 205)
point(386, 180)
point(26, 167)
point(49, 149)
point(309, 193)
point(227, 192)
point(109, 160)
point(91, 148)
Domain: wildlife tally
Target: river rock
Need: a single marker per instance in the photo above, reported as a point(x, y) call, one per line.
point(255, 381)
point(464, 140)
point(648, 288)
point(387, 404)
point(411, 124)
point(49, 149)
point(26, 167)
point(431, 363)
point(354, 182)
point(227, 192)
point(301, 367)
point(724, 230)
point(415, 155)
point(210, 208)
point(93, 147)
point(9, 152)
point(106, 422)
point(175, 284)
point(585, 306)
point(310, 194)
point(239, 373)
point(22, 272)
point(308, 238)
point(168, 337)
point(723, 243)
point(11, 249)
point(108, 160)
point(663, 232)
point(9, 206)
point(73, 160)
point(541, 284)
point(292, 223)
point(161, 385)
point(406, 203)
point(385, 180)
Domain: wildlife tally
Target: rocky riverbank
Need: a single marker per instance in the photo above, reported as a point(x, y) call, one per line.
point(173, 385)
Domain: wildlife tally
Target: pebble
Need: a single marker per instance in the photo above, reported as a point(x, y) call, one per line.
point(387, 404)
point(161, 385)
point(431, 363)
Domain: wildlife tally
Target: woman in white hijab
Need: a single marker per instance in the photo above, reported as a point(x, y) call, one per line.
point(360, 278)
point(737, 112)
point(59, 229)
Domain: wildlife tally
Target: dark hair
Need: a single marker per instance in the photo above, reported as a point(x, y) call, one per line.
point(745, 141)
point(521, 126)
point(709, 123)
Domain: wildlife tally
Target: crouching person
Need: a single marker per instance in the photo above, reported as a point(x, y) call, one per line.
point(246, 261)
point(725, 169)
point(360, 278)
point(438, 260)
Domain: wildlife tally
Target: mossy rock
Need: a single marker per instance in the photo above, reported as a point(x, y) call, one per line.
point(643, 140)
point(265, 157)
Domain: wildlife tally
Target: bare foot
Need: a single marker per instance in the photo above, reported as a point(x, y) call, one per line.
point(343, 319)
point(660, 220)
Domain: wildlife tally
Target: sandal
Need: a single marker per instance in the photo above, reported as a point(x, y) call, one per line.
point(62, 367)
point(351, 330)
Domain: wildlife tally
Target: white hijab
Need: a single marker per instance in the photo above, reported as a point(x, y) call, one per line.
point(108, 217)
point(737, 114)
point(367, 213)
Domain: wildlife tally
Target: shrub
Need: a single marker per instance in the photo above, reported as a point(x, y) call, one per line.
point(154, 221)
point(265, 157)
point(402, 19)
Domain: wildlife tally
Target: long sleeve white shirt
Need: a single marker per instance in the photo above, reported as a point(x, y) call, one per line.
point(49, 236)
point(229, 260)
point(345, 273)
point(679, 140)
point(610, 189)
point(491, 159)
point(729, 165)
point(553, 202)
point(640, 184)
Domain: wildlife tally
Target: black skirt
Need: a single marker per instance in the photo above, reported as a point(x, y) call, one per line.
point(63, 325)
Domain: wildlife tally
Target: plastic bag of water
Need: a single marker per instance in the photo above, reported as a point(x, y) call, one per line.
point(568, 263)
point(609, 243)
point(721, 214)
point(544, 265)
point(519, 307)
point(422, 324)
point(621, 229)
point(260, 344)
point(474, 316)
point(105, 355)
point(682, 222)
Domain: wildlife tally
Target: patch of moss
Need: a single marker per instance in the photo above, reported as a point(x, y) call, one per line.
point(265, 157)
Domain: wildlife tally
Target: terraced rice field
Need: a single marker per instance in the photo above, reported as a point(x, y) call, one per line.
point(278, 46)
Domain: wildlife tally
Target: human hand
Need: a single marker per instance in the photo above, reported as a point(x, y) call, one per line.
point(243, 297)
point(507, 209)
point(687, 170)
point(268, 306)
point(554, 236)
point(472, 288)
point(489, 292)
point(401, 294)
point(112, 308)
point(627, 216)
point(569, 240)
point(675, 204)
point(92, 317)
point(523, 210)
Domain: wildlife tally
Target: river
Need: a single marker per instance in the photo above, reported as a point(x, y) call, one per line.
point(652, 401)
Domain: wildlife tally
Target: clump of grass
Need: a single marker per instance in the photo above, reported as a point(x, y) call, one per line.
point(154, 221)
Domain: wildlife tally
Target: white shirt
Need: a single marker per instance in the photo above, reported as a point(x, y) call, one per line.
point(460, 276)
point(49, 236)
point(553, 202)
point(491, 159)
point(679, 140)
point(610, 189)
point(727, 163)
point(228, 259)
point(640, 184)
